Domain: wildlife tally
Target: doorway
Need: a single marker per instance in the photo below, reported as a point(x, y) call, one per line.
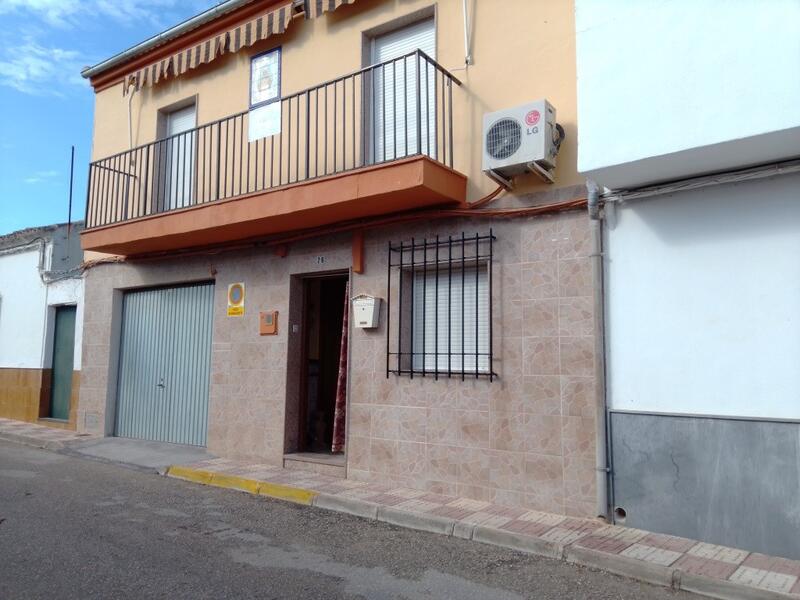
point(63, 363)
point(178, 152)
point(395, 95)
point(323, 367)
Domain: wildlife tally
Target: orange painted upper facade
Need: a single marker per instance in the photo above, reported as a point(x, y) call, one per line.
point(521, 50)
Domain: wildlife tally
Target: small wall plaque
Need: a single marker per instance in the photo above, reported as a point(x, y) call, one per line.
point(268, 322)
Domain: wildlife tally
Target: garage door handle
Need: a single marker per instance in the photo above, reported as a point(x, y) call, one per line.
point(160, 383)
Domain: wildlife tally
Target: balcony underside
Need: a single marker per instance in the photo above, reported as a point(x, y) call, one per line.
point(406, 184)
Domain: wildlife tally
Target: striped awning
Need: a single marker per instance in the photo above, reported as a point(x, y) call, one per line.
point(272, 22)
point(317, 8)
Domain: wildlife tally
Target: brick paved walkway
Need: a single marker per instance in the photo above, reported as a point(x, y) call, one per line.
point(683, 557)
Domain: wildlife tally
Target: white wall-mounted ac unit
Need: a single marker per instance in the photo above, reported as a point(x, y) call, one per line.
point(524, 139)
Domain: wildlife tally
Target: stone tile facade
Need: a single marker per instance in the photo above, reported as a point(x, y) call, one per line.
point(526, 439)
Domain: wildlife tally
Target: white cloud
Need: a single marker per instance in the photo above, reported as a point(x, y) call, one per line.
point(40, 177)
point(54, 11)
point(35, 69)
point(68, 12)
point(31, 65)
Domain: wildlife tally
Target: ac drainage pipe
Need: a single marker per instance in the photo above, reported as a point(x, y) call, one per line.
point(601, 436)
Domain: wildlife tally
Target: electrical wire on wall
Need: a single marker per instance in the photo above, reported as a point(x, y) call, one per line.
point(426, 215)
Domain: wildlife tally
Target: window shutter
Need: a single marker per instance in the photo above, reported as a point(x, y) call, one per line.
point(395, 92)
point(180, 159)
point(397, 43)
point(453, 302)
point(181, 120)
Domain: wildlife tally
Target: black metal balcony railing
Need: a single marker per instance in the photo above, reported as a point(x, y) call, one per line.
point(381, 113)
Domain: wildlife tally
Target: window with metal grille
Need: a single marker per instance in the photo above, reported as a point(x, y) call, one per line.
point(442, 323)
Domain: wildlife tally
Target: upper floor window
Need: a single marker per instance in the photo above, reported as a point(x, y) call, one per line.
point(178, 157)
point(404, 93)
point(265, 77)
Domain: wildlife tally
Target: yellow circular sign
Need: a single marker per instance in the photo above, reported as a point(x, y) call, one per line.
point(236, 294)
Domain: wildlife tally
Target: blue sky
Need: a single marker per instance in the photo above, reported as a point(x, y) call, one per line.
point(46, 106)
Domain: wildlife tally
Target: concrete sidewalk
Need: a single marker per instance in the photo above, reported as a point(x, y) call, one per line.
point(679, 563)
point(145, 454)
point(40, 436)
point(138, 453)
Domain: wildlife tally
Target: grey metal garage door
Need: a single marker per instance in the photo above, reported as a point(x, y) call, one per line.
point(165, 351)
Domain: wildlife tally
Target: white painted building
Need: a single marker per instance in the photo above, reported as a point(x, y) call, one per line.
point(41, 312)
point(689, 119)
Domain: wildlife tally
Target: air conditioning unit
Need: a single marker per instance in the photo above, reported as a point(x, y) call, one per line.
point(524, 139)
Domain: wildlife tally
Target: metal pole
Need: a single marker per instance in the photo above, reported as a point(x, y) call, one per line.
point(71, 179)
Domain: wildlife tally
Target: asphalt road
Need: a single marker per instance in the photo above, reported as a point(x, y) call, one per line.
point(77, 528)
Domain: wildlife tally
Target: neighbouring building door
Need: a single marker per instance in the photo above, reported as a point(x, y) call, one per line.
point(165, 352)
point(180, 151)
point(63, 361)
point(395, 96)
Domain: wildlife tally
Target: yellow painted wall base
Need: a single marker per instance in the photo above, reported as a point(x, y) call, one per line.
point(20, 393)
point(25, 396)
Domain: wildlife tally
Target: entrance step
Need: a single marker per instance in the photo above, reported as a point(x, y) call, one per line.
point(333, 465)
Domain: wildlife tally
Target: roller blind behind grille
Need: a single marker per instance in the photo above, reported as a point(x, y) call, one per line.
point(451, 320)
point(439, 313)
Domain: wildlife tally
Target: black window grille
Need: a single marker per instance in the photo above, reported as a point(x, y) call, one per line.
point(441, 324)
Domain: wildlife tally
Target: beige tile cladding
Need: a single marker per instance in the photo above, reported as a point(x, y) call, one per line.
point(526, 439)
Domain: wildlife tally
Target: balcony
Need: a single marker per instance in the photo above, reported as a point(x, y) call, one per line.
point(374, 142)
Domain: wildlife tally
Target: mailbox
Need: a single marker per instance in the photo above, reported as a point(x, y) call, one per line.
point(366, 311)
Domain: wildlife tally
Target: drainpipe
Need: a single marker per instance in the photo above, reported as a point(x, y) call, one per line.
point(602, 469)
point(130, 124)
point(131, 162)
point(467, 53)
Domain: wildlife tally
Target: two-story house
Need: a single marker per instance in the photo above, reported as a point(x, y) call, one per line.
point(267, 171)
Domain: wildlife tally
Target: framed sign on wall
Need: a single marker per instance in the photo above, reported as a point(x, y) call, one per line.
point(265, 95)
point(265, 77)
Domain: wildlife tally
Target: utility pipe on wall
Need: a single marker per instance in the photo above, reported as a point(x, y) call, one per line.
point(130, 125)
point(602, 470)
point(467, 53)
point(703, 181)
